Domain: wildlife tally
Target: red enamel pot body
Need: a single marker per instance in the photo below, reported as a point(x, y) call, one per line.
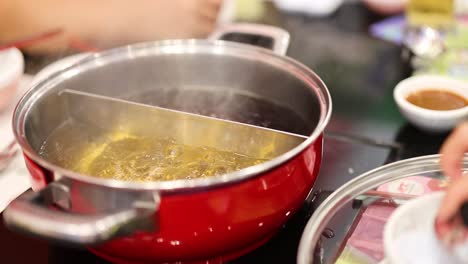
point(207, 220)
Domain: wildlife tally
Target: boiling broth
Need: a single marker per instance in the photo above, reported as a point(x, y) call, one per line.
point(231, 106)
point(123, 156)
point(135, 158)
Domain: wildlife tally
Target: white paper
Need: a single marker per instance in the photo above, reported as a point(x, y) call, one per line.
point(14, 180)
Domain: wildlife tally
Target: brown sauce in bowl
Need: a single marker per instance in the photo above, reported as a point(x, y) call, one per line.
point(434, 99)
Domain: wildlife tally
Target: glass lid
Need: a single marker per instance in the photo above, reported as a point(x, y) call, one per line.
point(348, 226)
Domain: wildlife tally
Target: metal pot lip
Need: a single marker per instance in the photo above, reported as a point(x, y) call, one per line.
point(217, 47)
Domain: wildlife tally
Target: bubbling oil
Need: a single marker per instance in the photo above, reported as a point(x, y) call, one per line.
point(136, 158)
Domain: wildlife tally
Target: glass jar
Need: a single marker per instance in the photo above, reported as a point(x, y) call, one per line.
point(433, 13)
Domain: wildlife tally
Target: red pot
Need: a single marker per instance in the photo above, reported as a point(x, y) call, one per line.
point(206, 220)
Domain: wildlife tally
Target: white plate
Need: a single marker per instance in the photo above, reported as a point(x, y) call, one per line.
point(11, 69)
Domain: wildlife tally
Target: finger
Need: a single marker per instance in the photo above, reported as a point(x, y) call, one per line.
point(214, 3)
point(204, 28)
point(453, 149)
point(205, 20)
point(457, 193)
point(210, 12)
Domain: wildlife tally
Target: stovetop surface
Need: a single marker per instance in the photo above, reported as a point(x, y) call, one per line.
point(366, 130)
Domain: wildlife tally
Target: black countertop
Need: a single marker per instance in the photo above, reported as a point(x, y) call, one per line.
point(365, 131)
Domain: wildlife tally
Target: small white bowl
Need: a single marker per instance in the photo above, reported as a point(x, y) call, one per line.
point(431, 120)
point(386, 7)
point(11, 70)
point(410, 236)
point(414, 217)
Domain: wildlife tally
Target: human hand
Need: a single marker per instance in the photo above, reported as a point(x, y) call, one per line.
point(146, 20)
point(452, 153)
point(106, 23)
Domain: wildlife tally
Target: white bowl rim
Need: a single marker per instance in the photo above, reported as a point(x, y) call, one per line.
point(14, 58)
point(400, 212)
point(399, 96)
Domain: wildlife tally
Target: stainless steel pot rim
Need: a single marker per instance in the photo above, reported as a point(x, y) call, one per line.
point(217, 47)
point(371, 179)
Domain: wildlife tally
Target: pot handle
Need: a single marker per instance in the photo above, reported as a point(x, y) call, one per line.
point(33, 213)
point(265, 36)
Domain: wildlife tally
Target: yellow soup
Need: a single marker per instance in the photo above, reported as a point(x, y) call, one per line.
point(136, 158)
